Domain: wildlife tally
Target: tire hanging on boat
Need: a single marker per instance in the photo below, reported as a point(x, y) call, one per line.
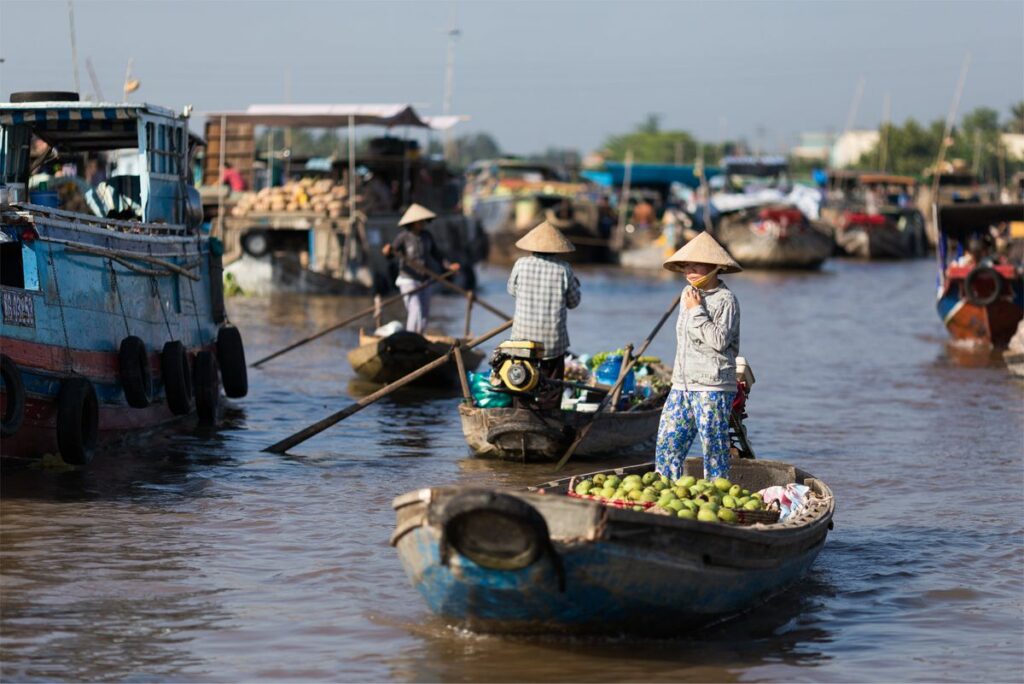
point(207, 387)
point(494, 530)
point(231, 358)
point(77, 420)
point(134, 373)
point(14, 388)
point(972, 277)
point(177, 377)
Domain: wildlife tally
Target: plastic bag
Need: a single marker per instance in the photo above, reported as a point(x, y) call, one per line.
point(484, 395)
point(791, 498)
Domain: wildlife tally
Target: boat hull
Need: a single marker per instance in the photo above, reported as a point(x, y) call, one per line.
point(805, 249)
point(609, 570)
point(385, 360)
point(992, 325)
point(79, 305)
point(873, 243)
point(524, 435)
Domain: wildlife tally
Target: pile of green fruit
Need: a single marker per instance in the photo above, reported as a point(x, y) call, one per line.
point(715, 500)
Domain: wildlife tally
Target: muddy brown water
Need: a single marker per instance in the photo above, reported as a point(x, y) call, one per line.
point(190, 555)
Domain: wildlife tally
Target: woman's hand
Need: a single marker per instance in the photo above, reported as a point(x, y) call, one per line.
point(691, 298)
point(386, 249)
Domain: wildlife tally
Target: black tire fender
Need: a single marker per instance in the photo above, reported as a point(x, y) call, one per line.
point(978, 272)
point(44, 96)
point(207, 387)
point(77, 421)
point(14, 388)
point(231, 359)
point(177, 377)
point(496, 531)
point(134, 373)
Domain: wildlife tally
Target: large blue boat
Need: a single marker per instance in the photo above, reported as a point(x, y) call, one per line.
point(113, 309)
point(537, 561)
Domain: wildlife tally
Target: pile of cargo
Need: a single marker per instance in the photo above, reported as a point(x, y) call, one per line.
point(317, 196)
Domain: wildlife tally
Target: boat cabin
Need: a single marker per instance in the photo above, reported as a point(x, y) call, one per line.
point(105, 160)
point(740, 174)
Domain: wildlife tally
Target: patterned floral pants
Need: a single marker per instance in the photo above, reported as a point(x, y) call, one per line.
point(687, 414)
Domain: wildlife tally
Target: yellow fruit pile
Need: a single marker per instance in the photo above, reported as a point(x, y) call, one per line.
point(687, 497)
point(321, 196)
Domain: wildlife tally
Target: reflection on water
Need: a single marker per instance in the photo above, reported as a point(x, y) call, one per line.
point(191, 555)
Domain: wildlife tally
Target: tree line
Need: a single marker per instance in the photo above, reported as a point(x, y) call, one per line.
point(910, 148)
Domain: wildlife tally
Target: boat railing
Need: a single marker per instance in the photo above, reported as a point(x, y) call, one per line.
point(71, 219)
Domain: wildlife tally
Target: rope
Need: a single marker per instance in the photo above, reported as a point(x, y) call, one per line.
point(156, 293)
point(117, 291)
point(60, 308)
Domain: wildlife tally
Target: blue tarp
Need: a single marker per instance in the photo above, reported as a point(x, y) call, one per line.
point(614, 174)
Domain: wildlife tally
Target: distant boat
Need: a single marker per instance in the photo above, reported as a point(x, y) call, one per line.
point(758, 225)
point(537, 561)
point(113, 306)
point(386, 359)
point(868, 221)
point(979, 303)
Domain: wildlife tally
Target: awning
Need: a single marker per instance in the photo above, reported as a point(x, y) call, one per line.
point(960, 220)
point(335, 116)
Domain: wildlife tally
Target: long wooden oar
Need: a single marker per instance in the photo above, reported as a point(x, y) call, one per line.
point(321, 425)
point(455, 288)
point(618, 385)
point(355, 317)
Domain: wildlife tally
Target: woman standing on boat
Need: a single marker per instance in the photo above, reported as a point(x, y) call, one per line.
point(417, 253)
point(704, 376)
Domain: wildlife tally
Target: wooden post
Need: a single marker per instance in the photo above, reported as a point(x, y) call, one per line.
point(470, 298)
point(461, 366)
point(627, 365)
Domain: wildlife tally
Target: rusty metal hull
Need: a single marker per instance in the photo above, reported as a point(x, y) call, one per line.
point(614, 571)
point(524, 435)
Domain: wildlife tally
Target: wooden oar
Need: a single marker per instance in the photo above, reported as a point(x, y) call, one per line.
point(355, 317)
point(618, 385)
point(455, 288)
point(321, 425)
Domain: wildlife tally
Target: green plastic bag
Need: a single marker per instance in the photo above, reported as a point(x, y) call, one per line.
point(483, 395)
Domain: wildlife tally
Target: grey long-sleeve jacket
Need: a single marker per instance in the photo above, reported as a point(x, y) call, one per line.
point(708, 340)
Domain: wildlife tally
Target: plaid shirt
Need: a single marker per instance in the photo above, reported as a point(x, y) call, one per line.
point(544, 288)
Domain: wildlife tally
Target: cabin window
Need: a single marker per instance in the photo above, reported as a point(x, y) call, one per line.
point(164, 148)
point(18, 266)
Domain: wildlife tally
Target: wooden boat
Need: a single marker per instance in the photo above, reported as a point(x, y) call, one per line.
point(868, 216)
point(980, 304)
point(535, 560)
point(113, 304)
point(386, 359)
point(527, 434)
point(1014, 354)
point(773, 237)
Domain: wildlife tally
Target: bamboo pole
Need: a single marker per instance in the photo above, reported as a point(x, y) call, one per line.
point(469, 312)
point(316, 428)
point(365, 312)
point(461, 366)
point(618, 384)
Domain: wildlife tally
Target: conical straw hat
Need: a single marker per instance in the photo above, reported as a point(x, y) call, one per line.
point(416, 213)
point(703, 249)
point(547, 239)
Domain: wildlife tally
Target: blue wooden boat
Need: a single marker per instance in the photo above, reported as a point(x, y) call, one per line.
point(113, 309)
point(536, 561)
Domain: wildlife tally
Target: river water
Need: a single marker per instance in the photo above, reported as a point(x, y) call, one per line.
point(190, 555)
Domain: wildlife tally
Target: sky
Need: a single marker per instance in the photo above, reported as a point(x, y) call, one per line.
point(540, 74)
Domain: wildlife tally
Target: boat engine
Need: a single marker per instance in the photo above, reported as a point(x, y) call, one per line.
point(515, 366)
